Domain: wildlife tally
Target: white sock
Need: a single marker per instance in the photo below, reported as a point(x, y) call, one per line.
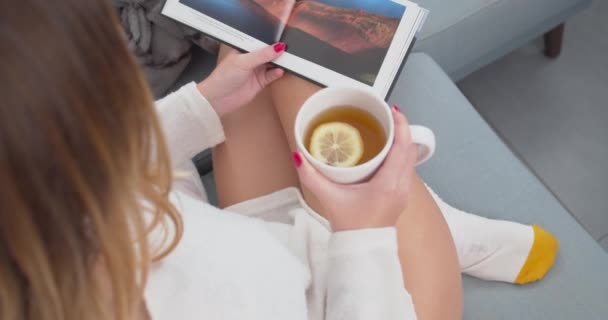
point(487, 249)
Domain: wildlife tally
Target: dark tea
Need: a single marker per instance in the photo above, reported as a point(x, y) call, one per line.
point(370, 129)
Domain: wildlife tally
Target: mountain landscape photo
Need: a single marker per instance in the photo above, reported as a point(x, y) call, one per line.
point(260, 19)
point(351, 30)
point(350, 37)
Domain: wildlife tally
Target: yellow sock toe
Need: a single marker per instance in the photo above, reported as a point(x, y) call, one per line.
point(541, 257)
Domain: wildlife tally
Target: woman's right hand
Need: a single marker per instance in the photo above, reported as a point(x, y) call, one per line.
point(377, 203)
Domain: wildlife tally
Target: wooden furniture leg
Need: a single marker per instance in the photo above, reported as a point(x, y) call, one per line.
point(553, 41)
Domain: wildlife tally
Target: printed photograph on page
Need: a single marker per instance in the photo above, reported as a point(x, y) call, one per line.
point(260, 19)
point(351, 37)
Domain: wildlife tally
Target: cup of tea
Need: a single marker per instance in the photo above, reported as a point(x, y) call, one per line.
point(346, 133)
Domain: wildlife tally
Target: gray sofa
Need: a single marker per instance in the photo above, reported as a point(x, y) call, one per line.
point(472, 168)
point(463, 36)
point(475, 171)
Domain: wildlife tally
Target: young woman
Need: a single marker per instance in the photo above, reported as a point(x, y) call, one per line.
point(94, 223)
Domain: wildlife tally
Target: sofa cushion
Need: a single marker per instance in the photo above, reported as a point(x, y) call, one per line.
point(464, 35)
point(475, 171)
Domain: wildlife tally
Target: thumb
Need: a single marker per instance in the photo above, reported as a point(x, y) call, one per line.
point(262, 56)
point(311, 178)
point(267, 77)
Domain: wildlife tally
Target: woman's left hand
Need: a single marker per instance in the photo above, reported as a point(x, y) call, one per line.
point(240, 77)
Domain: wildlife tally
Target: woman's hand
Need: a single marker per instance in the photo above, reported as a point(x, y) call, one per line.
point(374, 204)
point(239, 77)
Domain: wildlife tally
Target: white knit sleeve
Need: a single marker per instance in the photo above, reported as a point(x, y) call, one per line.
point(364, 280)
point(190, 123)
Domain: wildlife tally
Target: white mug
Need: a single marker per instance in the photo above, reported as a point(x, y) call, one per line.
point(368, 101)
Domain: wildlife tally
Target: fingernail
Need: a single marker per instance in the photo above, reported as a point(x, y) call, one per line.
point(279, 47)
point(297, 159)
point(396, 108)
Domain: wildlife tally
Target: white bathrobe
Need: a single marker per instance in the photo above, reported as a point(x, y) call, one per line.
point(267, 258)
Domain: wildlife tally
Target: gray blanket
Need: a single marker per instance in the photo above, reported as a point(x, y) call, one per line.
point(161, 45)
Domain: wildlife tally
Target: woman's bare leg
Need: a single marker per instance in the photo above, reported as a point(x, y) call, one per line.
point(427, 253)
point(255, 159)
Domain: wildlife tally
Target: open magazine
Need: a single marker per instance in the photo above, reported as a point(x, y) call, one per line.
point(330, 42)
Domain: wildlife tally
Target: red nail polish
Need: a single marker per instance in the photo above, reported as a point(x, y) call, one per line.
point(279, 46)
point(297, 159)
point(396, 108)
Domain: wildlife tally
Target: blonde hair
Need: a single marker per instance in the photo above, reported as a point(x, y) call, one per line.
point(81, 156)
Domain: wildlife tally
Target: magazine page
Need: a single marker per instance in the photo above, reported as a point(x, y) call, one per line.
point(409, 27)
point(263, 20)
point(331, 42)
point(244, 24)
point(350, 37)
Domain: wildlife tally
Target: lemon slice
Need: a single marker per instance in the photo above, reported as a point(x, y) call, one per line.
point(337, 144)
